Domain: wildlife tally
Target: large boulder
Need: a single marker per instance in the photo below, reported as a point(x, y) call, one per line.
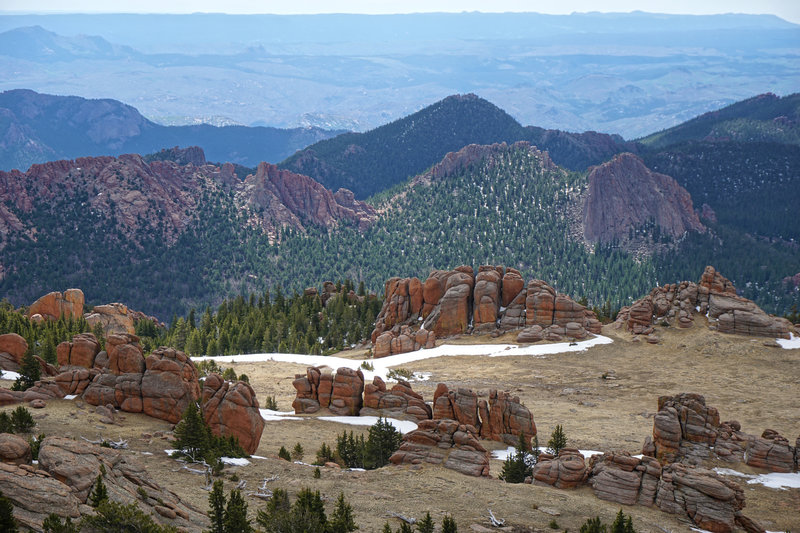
point(113, 318)
point(307, 396)
point(566, 471)
point(231, 409)
point(620, 478)
point(341, 392)
point(55, 305)
point(169, 383)
point(14, 449)
point(504, 418)
point(346, 396)
point(398, 402)
point(12, 349)
point(772, 452)
point(455, 306)
point(35, 494)
point(487, 297)
point(125, 355)
point(82, 351)
point(447, 443)
point(684, 426)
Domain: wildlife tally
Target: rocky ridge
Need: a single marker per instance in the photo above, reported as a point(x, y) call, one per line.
point(454, 302)
point(713, 296)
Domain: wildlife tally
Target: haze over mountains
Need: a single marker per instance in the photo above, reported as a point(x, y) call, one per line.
point(617, 73)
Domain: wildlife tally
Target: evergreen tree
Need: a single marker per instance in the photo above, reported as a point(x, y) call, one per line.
point(426, 524)
point(593, 525)
point(22, 420)
point(284, 454)
point(113, 516)
point(7, 521)
point(449, 525)
point(216, 508)
point(6, 425)
point(29, 372)
point(342, 520)
point(406, 528)
point(53, 524)
point(192, 437)
point(235, 519)
point(387, 528)
point(519, 465)
point(276, 517)
point(99, 492)
point(298, 452)
point(382, 442)
point(558, 440)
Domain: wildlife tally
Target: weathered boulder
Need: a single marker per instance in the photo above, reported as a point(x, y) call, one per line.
point(504, 418)
point(707, 498)
point(125, 355)
point(55, 305)
point(681, 424)
point(231, 409)
point(14, 449)
point(511, 286)
point(487, 297)
point(445, 442)
point(531, 334)
point(398, 402)
point(35, 494)
point(620, 478)
point(307, 396)
point(566, 471)
point(771, 452)
point(82, 351)
point(169, 383)
point(114, 318)
point(455, 305)
point(346, 396)
point(12, 349)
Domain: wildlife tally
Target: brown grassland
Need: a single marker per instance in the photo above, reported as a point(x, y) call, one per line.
point(604, 397)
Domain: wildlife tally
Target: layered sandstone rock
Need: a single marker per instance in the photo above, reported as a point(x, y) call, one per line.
point(14, 449)
point(772, 452)
point(454, 302)
point(114, 318)
point(231, 409)
point(398, 402)
point(447, 443)
point(714, 296)
point(55, 305)
point(620, 478)
point(565, 471)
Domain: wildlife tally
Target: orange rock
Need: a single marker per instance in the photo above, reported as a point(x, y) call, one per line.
point(231, 409)
point(14, 345)
point(54, 305)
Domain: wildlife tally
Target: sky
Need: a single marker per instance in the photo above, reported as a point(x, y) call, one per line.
point(786, 9)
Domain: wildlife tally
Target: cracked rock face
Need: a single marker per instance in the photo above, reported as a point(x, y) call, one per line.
point(445, 442)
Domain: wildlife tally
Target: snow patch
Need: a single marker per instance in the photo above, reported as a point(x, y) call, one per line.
point(70, 396)
point(511, 450)
point(789, 344)
point(7, 374)
point(234, 461)
point(403, 426)
point(274, 416)
point(773, 480)
point(383, 364)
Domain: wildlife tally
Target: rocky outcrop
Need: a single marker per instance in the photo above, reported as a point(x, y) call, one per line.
point(398, 402)
point(454, 302)
point(65, 475)
point(12, 349)
point(447, 443)
point(625, 195)
point(14, 449)
point(620, 478)
point(278, 198)
point(55, 305)
point(341, 392)
point(231, 409)
point(81, 351)
point(502, 418)
point(686, 430)
point(565, 471)
point(113, 318)
point(714, 296)
point(710, 500)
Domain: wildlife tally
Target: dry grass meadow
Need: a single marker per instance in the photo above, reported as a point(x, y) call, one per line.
point(604, 398)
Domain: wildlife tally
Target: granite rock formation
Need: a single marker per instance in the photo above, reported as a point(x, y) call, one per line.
point(567, 470)
point(714, 296)
point(231, 409)
point(398, 402)
point(454, 302)
point(81, 351)
point(112, 318)
point(340, 392)
point(12, 349)
point(447, 443)
point(55, 305)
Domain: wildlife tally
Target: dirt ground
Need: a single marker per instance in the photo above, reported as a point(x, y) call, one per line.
point(605, 399)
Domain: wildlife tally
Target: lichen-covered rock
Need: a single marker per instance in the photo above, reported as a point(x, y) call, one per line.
point(445, 442)
point(125, 355)
point(35, 494)
point(348, 388)
point(504, 418)
point(487, 297)
point(306, 398)
point(566, 471)
point(682, 420)
point(231, 409)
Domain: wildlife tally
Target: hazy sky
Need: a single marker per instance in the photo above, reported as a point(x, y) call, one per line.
point(786, 9)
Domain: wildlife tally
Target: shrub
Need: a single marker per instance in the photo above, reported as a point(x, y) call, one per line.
point(593, 525)
point(399, 373)
point(558, 441)
point(317, 473)
point(553, 524)
point(22, 420)
point(53, 524)
point(324, 455)
point(426, 524)
point(229, 375)
point(99, 492)
point(298, 452)
point(449, 525)
point(7, 521)
point(113, 516)
point(244, 378)
point(35, 444)
point(6, 425)
point(366, 365)
point(271, 404)
point(284, 454)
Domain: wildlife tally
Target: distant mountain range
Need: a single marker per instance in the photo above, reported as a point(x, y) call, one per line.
point(628, 74)
point(35, 128)
point(169, 231)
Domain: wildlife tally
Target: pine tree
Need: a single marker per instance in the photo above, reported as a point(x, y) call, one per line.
point(426, 524)
point(342, 518)
point(519, 465)
point(7, 521)
point(99, 492)
point(406, 528)
point(308, 512)
point(191, 434)
point(216, 508)
point(558, 441)
point(29, 372)
point(449, 525)
point(53, 524)
point(593, 525)
point(22, 420)
point(387, 528)
point(618, 526)
point(382, 442)
point(284, 454)
point(276, 517)
point(298, 452)
point(235, 519)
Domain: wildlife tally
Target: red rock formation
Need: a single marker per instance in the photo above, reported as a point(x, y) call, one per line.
point(82, 351)
point(340, 392)
point(14, 449)
point(620, 478)
point(771, 452)
point(445, 442)
point(398, 402)
point(346, 396)
point(624, 194)
point(113, 318)
point(231, 409)
point(682, 420)
point(566, 471)
point(12, 349)
point(487, 297)
point(54, 305)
